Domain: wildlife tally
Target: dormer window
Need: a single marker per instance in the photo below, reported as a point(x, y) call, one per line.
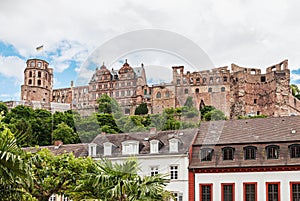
point(154, 146)
point(272, 152)
point(130, 147)
point(206, 154)
point(294, 150)
point(173, 145)
point(107, 148)
point(228, 153)
point(250, 152)
point(92, 149)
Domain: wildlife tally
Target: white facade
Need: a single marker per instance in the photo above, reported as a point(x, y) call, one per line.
point(238, 179)
point(163, 163)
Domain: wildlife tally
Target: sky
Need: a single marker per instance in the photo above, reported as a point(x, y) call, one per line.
point(247, 33)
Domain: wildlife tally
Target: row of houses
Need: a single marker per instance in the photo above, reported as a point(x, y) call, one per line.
point(235, 160)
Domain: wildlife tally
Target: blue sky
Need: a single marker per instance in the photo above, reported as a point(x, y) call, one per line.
point(248, 33)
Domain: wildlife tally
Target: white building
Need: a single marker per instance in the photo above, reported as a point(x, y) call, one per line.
point(246, 160)
point(164, 152)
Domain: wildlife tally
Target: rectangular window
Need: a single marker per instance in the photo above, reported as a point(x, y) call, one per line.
point(177, 196)
point(174, 171)
point(295, 191)
point(250, 191)
point(273, 191)
point(295, 151)
point(227, 192)
point(154, 171)
point(206, 192)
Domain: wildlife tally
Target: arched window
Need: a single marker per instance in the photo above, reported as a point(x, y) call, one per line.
point(167, 94)
point(32, 64)
point(197, 79)
point(224, 79)
point(158, 95)
point(186, 91)
point(209, 89)
point(39, 82)
point(228, 153)
point(30, 73)
point(222, 89)
point(127, 111)
point(204, 80)
point(46, 76)
point(272, 152)
point(250, 152)
point(30, 81)
point(197, 90)
point(294, 150)
point(39, 74)
point(206, 154)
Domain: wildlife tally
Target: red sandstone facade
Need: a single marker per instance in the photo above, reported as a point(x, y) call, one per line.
point(239, 92)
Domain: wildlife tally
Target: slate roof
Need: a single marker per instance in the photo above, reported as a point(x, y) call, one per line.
point(185, 137)
point(273, 129)
point(79, 150)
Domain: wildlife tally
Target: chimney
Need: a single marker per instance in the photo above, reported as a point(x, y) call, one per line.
point(152, 130)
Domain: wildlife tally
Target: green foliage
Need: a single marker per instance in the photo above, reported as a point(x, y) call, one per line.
point(107, 123)
point(214, 115)
point(87, 128)
point(205, 110)
point(55, 174)
point(142, 109)
point(108, 105)
point(120, 181)
point(295, 91)
point(66, 134)
point(3, 108)
point(14, 170)
point(189, 102)
point(252, 117)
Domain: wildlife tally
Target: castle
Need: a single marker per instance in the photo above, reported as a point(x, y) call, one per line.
point(239, 92)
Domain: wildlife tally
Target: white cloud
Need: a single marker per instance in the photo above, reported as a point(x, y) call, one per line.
point(12, 66)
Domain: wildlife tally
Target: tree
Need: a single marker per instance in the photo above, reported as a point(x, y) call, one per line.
point(87, 128)
point(189, 102)
point(55, 174)
point(107, 123)
point(14, 170)
point(114, 181)
point(295, 91)
point(205, 110)
point(214, 115)
point(65, 133)
point(108, 105)
point(142, 109)
point(3, 108)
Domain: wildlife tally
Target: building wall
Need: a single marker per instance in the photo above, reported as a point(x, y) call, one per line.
point(163, 162)
point(284, 177)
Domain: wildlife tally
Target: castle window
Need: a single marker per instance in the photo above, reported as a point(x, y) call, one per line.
point(32, 64)
point(211, 79)
point(127, 111)
point(117, 94)
point(197, 90)
point(186, 91)
point(122, 93)
point(158, 95)
point(39, 74)
point(128, 83)
point(46, 76)
point(123, 84)
point(30, 81)
point(263, 78)
point(250, 152)
point(255, 101)
point(217, 79)
point(204, 80)
point(253, 72)
point(209, 89)
point(178, 81)
point(224, 79)
point(222, 89)
point(228, 153)
point(272, 151)
point(39, 64)
point(294, 151)
point(30, 73)
point(197, 79)
point(128, 92)
point(206, 154)
point(167, 94)
point(39, 82)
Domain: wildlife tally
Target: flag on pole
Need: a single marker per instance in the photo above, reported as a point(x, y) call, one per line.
point(39, 48)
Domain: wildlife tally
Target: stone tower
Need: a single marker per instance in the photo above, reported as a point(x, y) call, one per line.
point(38, 81)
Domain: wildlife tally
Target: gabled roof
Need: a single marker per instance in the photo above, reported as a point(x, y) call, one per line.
point(275, 129)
